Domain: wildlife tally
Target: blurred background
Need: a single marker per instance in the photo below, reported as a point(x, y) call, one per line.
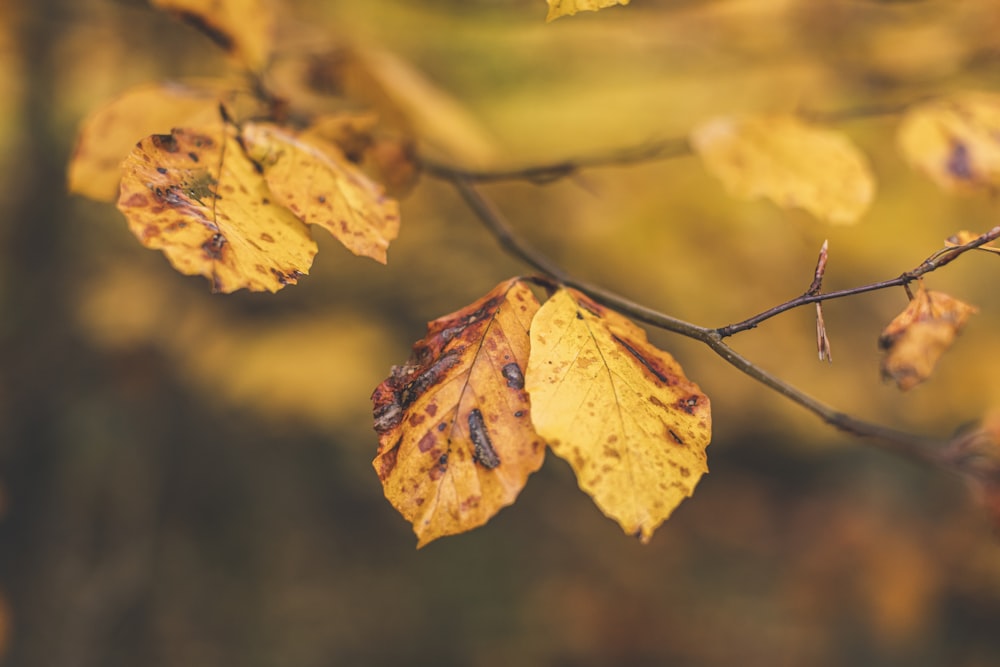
point(185, 478)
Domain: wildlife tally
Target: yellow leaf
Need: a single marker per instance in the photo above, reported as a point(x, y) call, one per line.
point(456, 443)
point(391, 160)
point(196, 196)
point(955, 141)
point(242, 28)
point(108, 134)
point(558, 8)
point(916, 338)
point(351, 132)
point(793, 163)
point(622, 413)
point(321, 187)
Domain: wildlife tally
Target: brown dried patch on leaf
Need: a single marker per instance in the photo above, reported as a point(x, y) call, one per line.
point(559, 8)
point(955, 141)
point(456, 443)
point(242, 28)
point(622, 413)
point(195, 195)
point(107, 135)
point(915, 340)
point(317, 183)
point(791, 162)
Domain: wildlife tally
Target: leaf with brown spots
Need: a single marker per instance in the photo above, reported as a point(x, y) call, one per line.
point(241, 28)
point(108, 134)
point(623, 414)
point(456, 443)
point(195, 195)
point(955, 141)
point(915, 340)
point(320, 186)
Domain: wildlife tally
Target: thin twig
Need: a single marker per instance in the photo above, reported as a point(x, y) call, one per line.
point(497, 224)
point(932, 263)
point(546, 173)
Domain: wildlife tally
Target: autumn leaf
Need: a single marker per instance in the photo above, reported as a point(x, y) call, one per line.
point(242, 28)
point(965, 236)
point(195, 195)
point(916, 338)
point(793, 163)
point(558, 8)
point(107, 135)
point(955, 141)
point(351, 132)
point(456, 443)
point(623, 414)
point(321, 187)
point(391, 160)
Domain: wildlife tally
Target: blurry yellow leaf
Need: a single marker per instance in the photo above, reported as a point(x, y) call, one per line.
point(196, 196)
point(108, 134)
point(966, 236)
point(955, 141)
point(456, 443)
point(622, 413)
point(559, 8)
point(242, 28)
point(351, 132)
point(321, 187)
point(391, 160)
point(915, 340)
point(794, 164)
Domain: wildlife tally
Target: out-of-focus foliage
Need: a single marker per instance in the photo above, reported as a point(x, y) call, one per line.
point(956, 141)
point(558, 8)
point(790, 162)
point(243, 28)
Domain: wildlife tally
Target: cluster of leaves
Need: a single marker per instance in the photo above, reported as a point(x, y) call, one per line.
point(227, 181)
point(464, 422)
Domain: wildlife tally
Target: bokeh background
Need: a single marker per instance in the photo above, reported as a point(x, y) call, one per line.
point(185, 478)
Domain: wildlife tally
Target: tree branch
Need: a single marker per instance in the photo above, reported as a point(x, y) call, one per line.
point(662, 149)
point(547, 173)
point(914, 447)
